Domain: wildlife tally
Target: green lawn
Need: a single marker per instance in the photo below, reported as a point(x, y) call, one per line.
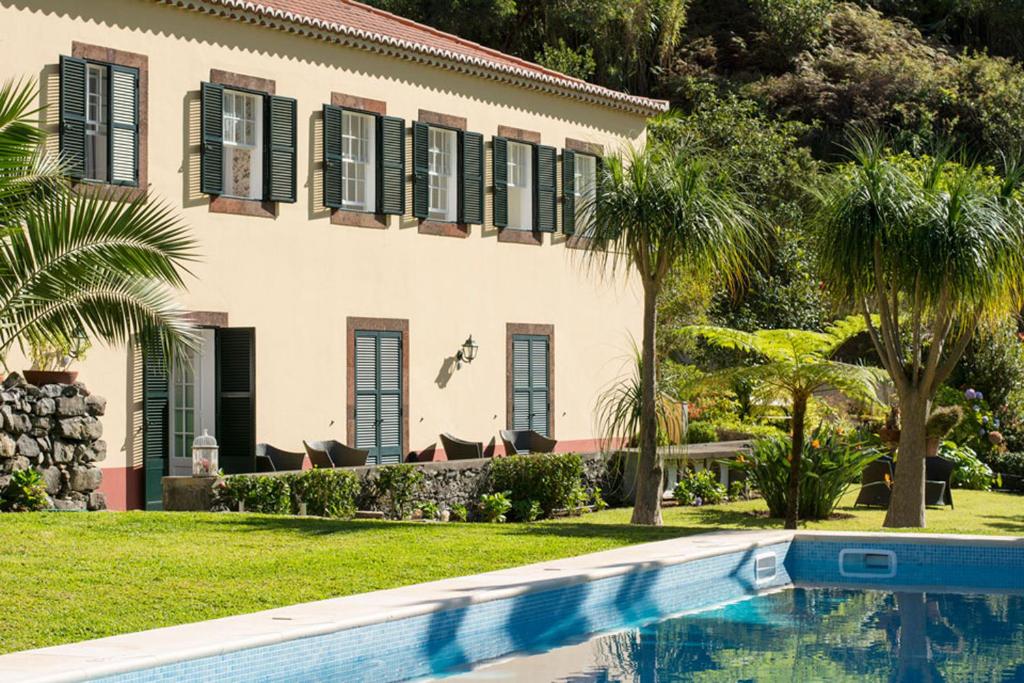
point(75, 576)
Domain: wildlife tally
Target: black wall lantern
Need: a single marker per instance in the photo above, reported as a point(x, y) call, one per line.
point(468, 351)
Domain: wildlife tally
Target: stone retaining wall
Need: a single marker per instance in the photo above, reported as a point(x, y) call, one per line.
point(55, 429)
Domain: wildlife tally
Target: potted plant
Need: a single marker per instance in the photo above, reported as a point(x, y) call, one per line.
point(940, 423)
point(52, 356)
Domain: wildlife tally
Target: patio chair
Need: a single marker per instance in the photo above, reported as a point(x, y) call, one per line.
point(457, 449)
point(525, 441)
point(937, 487)
point(874, 490)
point(332, 453)
point(277, 459)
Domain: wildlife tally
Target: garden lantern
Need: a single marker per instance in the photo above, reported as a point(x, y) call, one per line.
point(468, 351)
point(204, 456)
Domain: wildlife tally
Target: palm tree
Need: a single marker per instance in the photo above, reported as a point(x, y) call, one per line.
point(933, 249)
point(74, 262)
point(657, 208)
point(797, 364)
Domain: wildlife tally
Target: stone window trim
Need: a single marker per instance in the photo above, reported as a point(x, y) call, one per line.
point(357, 324)
point(208, 318)
point(428, 226)
point(595, 150)
point(233, 205)
point(513, 235)
point(540, 330)
point(359, 219)
point(109, 55)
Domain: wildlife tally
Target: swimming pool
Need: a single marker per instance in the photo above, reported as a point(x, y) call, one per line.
point(718, 600)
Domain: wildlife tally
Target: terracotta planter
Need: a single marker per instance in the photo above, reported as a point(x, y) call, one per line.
point(41, 377)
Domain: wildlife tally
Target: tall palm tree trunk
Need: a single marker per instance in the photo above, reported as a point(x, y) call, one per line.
point(795, 456)
point(906, 507)
point(647, 507)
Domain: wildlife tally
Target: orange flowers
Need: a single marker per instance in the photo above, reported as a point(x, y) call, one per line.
point(815, 444)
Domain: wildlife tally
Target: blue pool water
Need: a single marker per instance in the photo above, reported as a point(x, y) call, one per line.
point(819, 634)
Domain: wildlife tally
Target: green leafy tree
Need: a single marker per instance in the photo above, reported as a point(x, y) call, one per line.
point(932, 249)
point(795, 364)
point(661, 207)
point(73, 261)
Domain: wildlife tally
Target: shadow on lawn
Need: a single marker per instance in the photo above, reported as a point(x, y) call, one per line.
point(1014, 524)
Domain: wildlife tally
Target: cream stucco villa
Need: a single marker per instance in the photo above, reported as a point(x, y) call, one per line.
point(367, 192)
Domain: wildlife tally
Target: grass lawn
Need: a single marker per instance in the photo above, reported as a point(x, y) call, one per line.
point(76, 576)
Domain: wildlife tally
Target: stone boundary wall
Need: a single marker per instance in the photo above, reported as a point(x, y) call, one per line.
point(55, 429)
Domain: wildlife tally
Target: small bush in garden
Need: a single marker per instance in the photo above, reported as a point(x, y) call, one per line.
point(526, 510)
point(597, 500)
point(494, 507)
point(262, 494)
point(1007, 463)
point(699, 488)
point(971, 472)
point(459, 513)
point(429, 510)
point(326, 492)
point(25, 492)
point(701, 432)
point(554, 481)
point(398, 487)
point(831, 463)
point(740, 490)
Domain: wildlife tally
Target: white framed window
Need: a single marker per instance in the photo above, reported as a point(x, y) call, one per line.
point(443, 163)
point(358, 158)
point(586, 192)
point(97, 122)
point(520, 186)
point(243, 144)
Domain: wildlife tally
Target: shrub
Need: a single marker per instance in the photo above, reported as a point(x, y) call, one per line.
point(699, 488)
point(459, 513)
point(262, 494)
point(526, 510)
point(971, 472)
point(326, 492)
point(739, 490)
point(747, 430)
point(597, 499)
point(494, 507)
point(553, 481)
point(830, 463)
point(1007, 463)
point(429, 510)
point(398, 487)
point(25, 492)
point(943, 420)
point(701, 432)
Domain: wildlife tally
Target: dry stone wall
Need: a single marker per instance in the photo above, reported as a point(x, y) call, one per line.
point(55, 429)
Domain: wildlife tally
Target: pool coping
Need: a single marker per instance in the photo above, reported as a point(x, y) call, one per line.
point(124, 653)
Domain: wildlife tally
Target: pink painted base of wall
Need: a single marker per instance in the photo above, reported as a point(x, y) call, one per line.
point(123, 488)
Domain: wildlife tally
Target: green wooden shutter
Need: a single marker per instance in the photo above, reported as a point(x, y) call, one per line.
point(520, 383)
point(366, 393)
point(471, 178)
point(236, 398)
point(211, 174)
point(280, 148)
point(154, 424)
point(333, 167)
point(420, 170)
point(545, 190)
point(390, 165)
point(530, 383)
point(378, 389)
point(568, 192)
point(499, 162)
point(124, 129)
point(539, 391)
point(72, 115)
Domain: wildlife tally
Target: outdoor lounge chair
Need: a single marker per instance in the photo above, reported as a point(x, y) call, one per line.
point(525, 441)
point(271, 459)
point(332, 453)
point(875, 491)
point(457, 449)
point(937, 487)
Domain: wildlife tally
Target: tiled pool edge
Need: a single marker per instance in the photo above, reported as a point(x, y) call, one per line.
point(631, 574)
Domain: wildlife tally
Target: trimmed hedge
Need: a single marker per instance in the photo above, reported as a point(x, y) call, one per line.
point(326, 493)
point(553, 481)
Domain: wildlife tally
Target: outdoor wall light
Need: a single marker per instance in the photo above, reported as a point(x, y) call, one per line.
point(468, 351)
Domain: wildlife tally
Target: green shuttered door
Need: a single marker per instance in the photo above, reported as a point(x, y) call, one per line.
point(471, 178)
point(530, 383)
point(72, 115)
point(378, 388)
point(236, 399)
point(154, 424)
point(545, 189)
point(420, 170)
point(211, 174)
point(280, 148)
point(568, 192)
point(499, 162)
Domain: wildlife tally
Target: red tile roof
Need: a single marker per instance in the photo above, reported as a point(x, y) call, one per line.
point(362, 25)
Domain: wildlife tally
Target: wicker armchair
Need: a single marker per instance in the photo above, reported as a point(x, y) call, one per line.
point(271, 459)
point(525, 441)
point(457, 449)
point(332, 453)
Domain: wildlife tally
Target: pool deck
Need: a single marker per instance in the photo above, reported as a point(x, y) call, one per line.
point(117, 654)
